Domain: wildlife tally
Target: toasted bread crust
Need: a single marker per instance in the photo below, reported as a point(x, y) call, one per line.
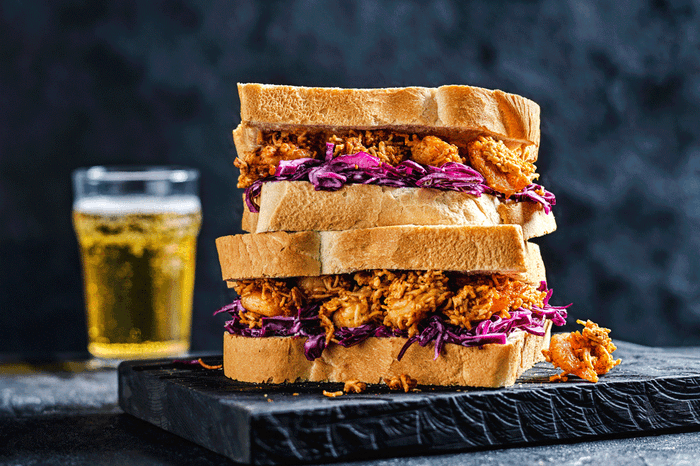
point(473, 249)
point(280, 359)
point(297, 206)
point(270, 255)
point(507, 116)
point(457, 108)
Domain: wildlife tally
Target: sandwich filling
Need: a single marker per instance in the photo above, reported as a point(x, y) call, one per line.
point(422, 306)
point(381, 157)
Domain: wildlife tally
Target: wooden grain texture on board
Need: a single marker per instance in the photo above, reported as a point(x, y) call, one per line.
point(653, 390)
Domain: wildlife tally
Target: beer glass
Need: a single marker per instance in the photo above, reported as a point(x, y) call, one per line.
point(137, 229)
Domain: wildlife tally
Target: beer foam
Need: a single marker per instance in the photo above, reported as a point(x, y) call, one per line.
point(137, 204)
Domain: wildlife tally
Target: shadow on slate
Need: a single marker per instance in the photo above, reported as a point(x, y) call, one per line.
point(653, 390)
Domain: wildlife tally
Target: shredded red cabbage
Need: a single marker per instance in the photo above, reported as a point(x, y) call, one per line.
point(186, 362)
point(350, 336)
point(531, 193)
point(305, 324)
point(493, 330)
point(433, 330)
point(332, 174)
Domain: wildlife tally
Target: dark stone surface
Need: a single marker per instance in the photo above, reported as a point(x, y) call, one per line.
point(92, 439)
point(653, 390)
point(90, 82)
point(122, 439)
point(56, 390)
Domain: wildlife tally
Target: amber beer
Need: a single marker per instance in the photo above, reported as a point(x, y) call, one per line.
point(138, 257)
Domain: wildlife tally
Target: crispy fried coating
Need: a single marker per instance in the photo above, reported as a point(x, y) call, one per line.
point(265, 297)
point(275, 147)
point(377, 279)
point(507, 171)
point(413, 296)
point(483, 296)
point(348, 300)
point(207, 366)
point(434, 151)
point(389, 147)
point(402, 382)
point(398, 299)
point(586, 354)
point(354, 386)
point(349, 309)
point(324, 286)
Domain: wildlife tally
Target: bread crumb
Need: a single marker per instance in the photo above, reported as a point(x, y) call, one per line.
point(270, 400)
point(402, 382)
point(295, 394)
point(332, 394)
point(354, 386)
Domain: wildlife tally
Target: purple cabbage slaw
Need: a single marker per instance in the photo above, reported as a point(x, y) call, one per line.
point(305, 324)
point(493, 330)
point(434, 329)
point(332, 174)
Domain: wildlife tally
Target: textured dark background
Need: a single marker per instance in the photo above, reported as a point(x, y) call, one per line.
point(99, 82)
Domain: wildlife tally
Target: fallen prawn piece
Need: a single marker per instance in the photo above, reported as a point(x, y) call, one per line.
point(586, 354)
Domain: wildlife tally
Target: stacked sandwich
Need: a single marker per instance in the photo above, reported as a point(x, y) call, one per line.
point(388, 237)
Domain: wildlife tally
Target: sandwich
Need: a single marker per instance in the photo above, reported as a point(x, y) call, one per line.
point(388, 237)
point(447, 305)
point(376, 148)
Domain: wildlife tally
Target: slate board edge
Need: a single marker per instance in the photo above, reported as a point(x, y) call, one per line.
point(646, 420)
point(247, 447)
point(136, 392)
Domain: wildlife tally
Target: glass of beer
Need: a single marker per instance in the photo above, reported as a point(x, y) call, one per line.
point(137, 229)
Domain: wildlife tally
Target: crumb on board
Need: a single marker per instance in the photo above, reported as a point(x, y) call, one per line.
point(402, 382)
point(207, 366)
point(332, 394)
point(354, 386)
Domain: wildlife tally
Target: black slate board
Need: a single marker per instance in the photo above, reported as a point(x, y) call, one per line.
point(654, 389)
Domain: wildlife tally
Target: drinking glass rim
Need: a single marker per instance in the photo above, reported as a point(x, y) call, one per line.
point(118, 173)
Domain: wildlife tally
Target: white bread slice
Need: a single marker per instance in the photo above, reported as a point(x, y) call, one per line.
point(473, 249)
point(281, 359)
point(297, 206)
point(277, 254)
point(446, 109)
